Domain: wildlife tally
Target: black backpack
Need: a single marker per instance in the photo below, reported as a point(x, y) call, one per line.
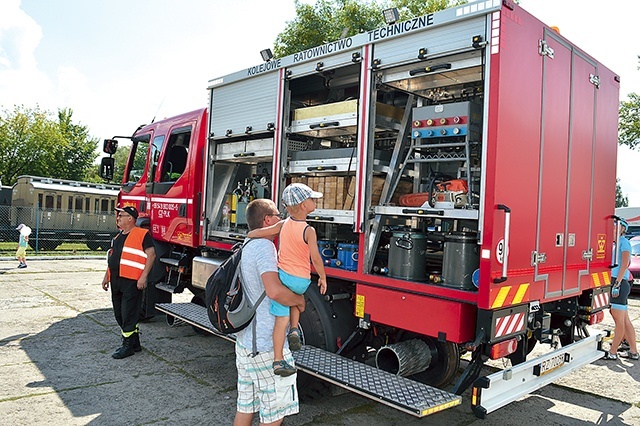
point(228, 309)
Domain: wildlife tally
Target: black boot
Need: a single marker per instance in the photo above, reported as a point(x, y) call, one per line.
point(125, 350)
point(136, 342)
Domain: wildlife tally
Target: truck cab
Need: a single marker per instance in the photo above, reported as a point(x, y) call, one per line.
point(161, 177)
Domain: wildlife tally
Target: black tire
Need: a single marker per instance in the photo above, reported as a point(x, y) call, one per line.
point(445, 362)
point(93, 245)
point(323, 325)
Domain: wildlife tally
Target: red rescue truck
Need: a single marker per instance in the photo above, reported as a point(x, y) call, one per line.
point(467, 160)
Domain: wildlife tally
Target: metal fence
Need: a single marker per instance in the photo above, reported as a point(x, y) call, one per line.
point(50, 228)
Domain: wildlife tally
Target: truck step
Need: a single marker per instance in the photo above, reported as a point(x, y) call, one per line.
point(170, 261)
point(505, 386)
point(395, 391)
point(168, 288)
point(193, 314)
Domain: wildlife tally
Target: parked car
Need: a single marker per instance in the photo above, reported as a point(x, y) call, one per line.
point(634, 267)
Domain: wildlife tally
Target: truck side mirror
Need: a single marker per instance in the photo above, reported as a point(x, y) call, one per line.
point(107, 166)
point(110, 146)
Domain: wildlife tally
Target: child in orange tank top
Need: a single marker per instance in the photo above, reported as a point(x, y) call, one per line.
point(298, 244)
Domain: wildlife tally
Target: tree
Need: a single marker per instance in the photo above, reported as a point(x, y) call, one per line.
point(329, 20)
point(33, 142)
point(629, 121)
point(121, 156)
point(621, 199)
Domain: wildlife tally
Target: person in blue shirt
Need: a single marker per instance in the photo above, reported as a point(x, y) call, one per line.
point(620, 290)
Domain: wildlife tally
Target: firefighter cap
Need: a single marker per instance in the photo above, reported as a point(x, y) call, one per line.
point(129, 210)
point(296, 193)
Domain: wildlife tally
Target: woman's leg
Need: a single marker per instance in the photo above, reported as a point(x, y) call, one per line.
point(630, 333)
point(619, 330)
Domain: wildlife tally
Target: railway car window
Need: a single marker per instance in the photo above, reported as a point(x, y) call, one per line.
point(70, 204)
point(96, 208)
point(113, 206)
point(48, 202)
point(40, 201)
point(87, 204)
point(59, 202)
point(175, 160)
point(78, 204)
point(105, 206)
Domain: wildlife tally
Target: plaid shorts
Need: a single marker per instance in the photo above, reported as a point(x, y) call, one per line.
point(259, 390)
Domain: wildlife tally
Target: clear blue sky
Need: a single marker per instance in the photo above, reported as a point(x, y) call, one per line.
point(119, 63)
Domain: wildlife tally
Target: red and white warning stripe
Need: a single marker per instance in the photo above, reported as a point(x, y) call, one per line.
point(509, 324)
point(600, 300)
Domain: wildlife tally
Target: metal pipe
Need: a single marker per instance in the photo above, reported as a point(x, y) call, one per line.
point(404, 358)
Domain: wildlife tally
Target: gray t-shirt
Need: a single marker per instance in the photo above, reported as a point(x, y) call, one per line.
point(258, 257)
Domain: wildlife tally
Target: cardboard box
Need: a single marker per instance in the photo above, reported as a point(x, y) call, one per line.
point(350, 193)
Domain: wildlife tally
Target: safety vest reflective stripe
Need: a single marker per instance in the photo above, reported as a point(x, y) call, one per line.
point(132, 264)
point(134, 251)
point(133, 257)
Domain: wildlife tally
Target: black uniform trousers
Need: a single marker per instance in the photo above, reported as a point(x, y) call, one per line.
point(127, 302)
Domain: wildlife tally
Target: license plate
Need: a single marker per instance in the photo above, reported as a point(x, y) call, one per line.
point(636, 280)
point(549, 365)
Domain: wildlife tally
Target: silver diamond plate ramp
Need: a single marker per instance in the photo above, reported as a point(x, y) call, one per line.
point(398, 392)
point(193, 314)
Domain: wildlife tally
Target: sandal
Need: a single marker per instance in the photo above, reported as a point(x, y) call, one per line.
point(630, 355)
point(295, 344)
point(282, 368)
point(609, 356)
point(624, 346)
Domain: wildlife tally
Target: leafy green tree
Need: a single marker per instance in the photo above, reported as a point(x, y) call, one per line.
point(621, 199)
point(121, 156)
point(36, 142)
point(411, 8)
point(629, 121)
point(329, 20)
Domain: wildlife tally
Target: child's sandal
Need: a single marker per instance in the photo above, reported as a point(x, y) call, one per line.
point(282, 368)
point(295, 344)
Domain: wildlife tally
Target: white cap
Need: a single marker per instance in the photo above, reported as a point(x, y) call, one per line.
point(296, 193)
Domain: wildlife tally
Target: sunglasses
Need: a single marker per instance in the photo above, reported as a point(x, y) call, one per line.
point(280, 215)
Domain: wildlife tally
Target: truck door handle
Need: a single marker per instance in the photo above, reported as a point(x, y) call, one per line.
point(423, 211)
point(614, 259)
point(432, 68)
point(245, 154)
point(323, 125)
point(326, 218)
point(182, 210)
point(505, 256)
point(321, 168)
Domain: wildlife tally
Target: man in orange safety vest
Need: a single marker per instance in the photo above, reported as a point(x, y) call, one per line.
point(131, 257)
